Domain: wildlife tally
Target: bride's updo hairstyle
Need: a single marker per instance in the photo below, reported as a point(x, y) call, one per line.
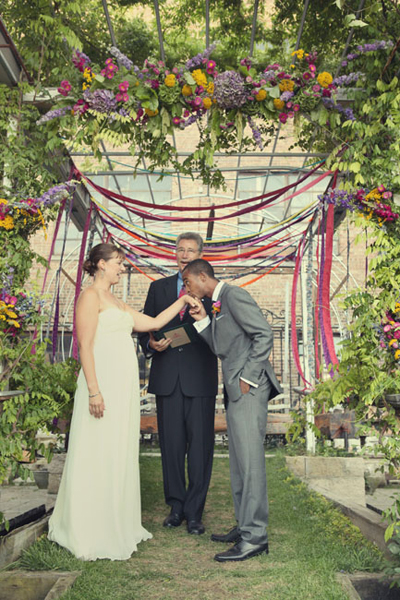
point(100, 252)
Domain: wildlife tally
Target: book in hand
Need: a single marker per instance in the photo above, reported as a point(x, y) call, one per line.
point(179, 335)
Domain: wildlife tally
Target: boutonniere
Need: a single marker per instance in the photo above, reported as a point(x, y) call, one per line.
point(216, 307)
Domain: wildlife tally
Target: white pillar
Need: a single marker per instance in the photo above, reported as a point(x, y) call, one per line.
point(307, 337)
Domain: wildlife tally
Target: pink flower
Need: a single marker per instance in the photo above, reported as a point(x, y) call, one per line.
point(396, 334)
point(198, 101)
point(249, 79)
point(186, 112)
point(387, 328)
point(210, 67)
point(123, 86)
point(290, 114)
point(326, 93)
point(381, 188)
point(80, 107)
point(109, 61)
point(176, 120)
point(316, 87)
point(156, 71)
point(289, 104)
point(296, 107)
point(312, 68)
point(382, 344)
point(306, 76)
point(263, 81)
point(387, 195)
point(283, 117)
point(199, 89)
point(140, 112)
point(175, 70)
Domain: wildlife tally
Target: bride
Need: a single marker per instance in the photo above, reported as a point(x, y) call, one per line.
point(97, 512)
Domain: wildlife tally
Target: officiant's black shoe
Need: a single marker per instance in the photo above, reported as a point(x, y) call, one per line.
point(241, 551)
point(195, 527)
point(173, 520)
point(232, 537)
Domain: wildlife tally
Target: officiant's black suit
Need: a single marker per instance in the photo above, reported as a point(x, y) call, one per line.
point(184, 380)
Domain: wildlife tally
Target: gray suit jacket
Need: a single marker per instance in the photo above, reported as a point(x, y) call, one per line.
point(242, 338)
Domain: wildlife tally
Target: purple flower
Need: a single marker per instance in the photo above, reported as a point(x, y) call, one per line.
point(347, 79)
point(121, 58)
point(285, 96)
point(101, 100)
point(256, 132)
point(54, 114)
point(199, 58)
point(229, 90)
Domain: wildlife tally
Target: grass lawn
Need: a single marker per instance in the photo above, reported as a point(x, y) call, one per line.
point(310, 541)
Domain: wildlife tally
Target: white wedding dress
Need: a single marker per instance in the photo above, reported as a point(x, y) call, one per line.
point(98, 511)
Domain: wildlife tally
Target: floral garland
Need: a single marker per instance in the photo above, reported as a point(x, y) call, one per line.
point(17, 312)
point(376, 205)
point(25, 215)
point(390, 332)
point(123, 104)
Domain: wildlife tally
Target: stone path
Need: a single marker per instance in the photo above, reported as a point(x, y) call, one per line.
point(16, 500)
point(382, 498)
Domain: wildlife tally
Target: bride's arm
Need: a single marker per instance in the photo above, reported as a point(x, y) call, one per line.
point(87, 316)
point(146, 323)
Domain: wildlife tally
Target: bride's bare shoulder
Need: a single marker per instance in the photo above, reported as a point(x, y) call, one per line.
point(89, 296)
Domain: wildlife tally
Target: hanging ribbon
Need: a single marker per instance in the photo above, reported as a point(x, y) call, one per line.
point(295, 344)
point(79, 280)
point(124, 201)
point(271, 195)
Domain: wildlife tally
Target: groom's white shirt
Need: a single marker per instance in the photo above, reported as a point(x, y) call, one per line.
point(200, 325)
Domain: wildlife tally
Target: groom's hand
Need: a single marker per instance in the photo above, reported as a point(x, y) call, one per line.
point(198, 312)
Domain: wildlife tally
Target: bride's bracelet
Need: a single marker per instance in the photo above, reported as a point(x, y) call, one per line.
point(93, 395)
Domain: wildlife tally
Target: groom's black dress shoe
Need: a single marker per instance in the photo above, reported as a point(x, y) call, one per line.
point(173, 520)
point(241, 551)
point(232, 537)
point(195, 527)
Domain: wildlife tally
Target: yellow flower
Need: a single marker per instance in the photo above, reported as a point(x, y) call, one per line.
point(392, 342)
point(299, 53)
point(187, 90)
point(210, 88)
point(397, 354)
point(3, 201)
point(324, 79)
point(207, 103)
point(15, 323)
point(199, 77)
point(170, 80)
point(261, 95)
point(278, 103)
point(11, 314)
point(7, 222)
point(151, 113)
point(286, 85)
point(88, 75)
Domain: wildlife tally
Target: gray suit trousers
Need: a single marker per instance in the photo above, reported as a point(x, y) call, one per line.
point(247, 421)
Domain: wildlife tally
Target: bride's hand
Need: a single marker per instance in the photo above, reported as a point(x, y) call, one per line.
point(96, 406)
point(193, 302)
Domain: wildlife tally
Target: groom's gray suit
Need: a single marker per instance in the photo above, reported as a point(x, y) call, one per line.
point(242, 338)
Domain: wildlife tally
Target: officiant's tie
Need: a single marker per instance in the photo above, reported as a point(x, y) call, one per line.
point(182, 293)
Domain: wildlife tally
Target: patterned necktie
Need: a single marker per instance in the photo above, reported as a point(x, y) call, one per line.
point(181, 293)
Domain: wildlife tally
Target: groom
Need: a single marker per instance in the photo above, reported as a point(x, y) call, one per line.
point(241, 337)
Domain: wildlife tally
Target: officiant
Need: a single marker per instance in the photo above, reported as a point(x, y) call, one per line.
point(184, 379)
